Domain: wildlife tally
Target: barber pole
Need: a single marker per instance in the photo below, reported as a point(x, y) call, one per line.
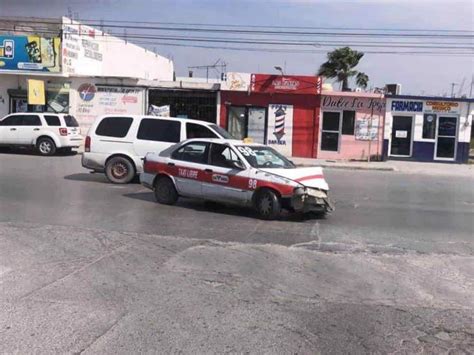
point(279, 131)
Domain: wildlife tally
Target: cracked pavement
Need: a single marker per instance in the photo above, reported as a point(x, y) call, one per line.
point(98, 268)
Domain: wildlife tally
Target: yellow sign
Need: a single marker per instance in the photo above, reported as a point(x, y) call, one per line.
point(36, 92)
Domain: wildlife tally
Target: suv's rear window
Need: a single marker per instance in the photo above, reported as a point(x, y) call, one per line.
point(71, 121)
point(114, 127)
point(152, 129)
point(52, 120)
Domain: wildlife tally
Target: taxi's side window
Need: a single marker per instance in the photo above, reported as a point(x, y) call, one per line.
point(222, 155)
point(195, 152)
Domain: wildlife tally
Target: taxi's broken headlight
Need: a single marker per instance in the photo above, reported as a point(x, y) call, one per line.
point(317, 193)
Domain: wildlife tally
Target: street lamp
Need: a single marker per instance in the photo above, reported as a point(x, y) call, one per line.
point(279, 69)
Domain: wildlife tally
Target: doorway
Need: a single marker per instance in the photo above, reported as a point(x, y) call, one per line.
point(401, 136)
point(247, 122)
point(446, 138)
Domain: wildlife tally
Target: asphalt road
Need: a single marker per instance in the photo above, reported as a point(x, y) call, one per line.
point(86, 266)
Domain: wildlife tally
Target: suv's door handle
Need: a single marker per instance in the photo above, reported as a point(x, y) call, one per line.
point(208, 170)
point(170, 164)
point(12, 129)
point(36, 129)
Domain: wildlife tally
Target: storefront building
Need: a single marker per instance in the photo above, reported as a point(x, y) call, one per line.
point(279, 110)
point(84, 71)
point(351, 125)
point(428, 129)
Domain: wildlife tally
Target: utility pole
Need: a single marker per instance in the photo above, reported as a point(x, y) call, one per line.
point(452, 89)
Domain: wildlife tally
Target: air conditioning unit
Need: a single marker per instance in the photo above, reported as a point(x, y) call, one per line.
point(393, 89)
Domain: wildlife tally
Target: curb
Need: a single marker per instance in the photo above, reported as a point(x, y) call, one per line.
point(326, 166)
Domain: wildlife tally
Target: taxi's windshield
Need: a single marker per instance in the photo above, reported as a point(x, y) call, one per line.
point(264, 157)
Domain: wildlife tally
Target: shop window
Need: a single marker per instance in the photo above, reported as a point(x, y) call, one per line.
point(114, 127)
point(348, 118)
point(429, 126)
point(52, 120)
point(194, 130)
point(159, 130)
point(330, 131)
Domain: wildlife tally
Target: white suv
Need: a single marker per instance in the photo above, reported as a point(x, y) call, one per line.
point(117, 144)
point(47, 132)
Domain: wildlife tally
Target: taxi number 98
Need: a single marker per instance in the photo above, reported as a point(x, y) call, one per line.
point(247, 151)
point(252, 184)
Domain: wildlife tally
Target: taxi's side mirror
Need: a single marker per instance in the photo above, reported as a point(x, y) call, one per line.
point(237, 164)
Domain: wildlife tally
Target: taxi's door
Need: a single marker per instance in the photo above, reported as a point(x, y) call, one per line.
point(188, 165)
point(226, 178)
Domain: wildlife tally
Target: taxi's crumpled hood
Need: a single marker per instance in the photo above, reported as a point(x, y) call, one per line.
point(310, 177)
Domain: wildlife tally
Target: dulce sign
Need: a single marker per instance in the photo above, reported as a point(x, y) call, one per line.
point(264, 83)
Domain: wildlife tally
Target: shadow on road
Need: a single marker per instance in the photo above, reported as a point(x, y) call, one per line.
point(88, 177)
point(30, 151)
point(220, 208)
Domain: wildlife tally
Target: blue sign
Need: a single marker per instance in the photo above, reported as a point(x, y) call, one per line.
point(30, 53)
point(410, 106)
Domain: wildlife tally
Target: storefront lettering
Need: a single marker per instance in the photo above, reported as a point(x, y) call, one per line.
point(411, 106)
point(285, 84)
point(353, 103)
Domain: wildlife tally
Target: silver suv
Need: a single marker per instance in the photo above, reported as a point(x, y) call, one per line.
point(47, 132)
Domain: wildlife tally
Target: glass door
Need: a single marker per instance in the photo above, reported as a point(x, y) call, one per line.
point(331, 131)
point(256, 124)
point(236, 122)
point(446, 138)
point(401, 136)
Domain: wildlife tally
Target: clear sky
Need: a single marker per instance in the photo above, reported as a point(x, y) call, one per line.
point(421, 74)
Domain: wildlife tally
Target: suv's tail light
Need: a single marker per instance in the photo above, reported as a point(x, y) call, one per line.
point(63, 131)
point(87, 145)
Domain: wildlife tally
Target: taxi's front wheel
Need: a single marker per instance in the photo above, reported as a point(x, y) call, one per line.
point(267, 204)
point(165, 192)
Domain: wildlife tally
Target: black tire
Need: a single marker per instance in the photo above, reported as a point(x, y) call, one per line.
point(165, 192)
point(45, 146)
point(120, 170)
point(268, 205)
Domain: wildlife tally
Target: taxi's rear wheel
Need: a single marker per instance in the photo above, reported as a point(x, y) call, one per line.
point(165, 192)
point(268, 204)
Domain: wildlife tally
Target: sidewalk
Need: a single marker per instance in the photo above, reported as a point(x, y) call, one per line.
point(408, 167)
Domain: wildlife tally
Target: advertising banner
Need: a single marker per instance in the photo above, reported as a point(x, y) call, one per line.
point(30, 53)
point(95, 100)
point(289, 84)
point(366, 129)
point(36, 94)
point(280, 128)
point(163, 111)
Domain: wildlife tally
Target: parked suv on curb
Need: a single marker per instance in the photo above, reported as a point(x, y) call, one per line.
point(117, 144)
point(47, 132)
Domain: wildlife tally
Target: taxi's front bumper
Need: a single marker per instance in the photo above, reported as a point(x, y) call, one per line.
point(311, 200)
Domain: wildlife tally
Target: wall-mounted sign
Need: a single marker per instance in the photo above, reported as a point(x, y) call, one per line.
point(82, 51)
point(401, 134)
point(236, 82)
point(406, 105)
point(30, 53)
point(442, 107)
point(280, 128)
point(96, 100)
point(163, 111)
point(353, 103)
point(285, 84)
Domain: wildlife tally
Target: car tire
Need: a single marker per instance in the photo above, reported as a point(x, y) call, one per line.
point(119, 170)
point(268, 204)
point(45, 146)
point(165, 191)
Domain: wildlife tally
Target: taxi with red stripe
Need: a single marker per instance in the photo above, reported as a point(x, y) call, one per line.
point(234, 172)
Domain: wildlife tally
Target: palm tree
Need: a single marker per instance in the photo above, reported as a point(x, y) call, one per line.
point(341, 63)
